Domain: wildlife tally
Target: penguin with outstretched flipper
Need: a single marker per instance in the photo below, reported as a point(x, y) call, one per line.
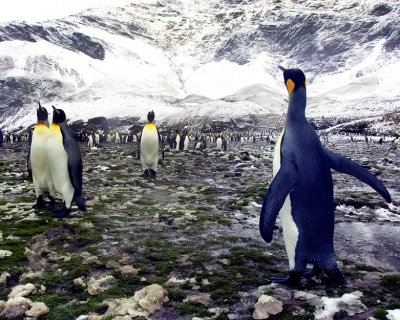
point(301, 191)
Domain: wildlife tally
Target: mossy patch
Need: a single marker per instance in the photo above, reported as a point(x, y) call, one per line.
point(392, 284)
point(192, 308)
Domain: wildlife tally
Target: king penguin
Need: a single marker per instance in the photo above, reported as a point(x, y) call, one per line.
point(150, 141)
point(38, 162)
point(65, 163)
point(301, 191)
point(219, 142)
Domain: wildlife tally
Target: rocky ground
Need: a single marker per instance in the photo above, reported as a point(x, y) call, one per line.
point(187, 245)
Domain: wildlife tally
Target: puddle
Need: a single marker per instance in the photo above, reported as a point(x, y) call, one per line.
point(369, 243)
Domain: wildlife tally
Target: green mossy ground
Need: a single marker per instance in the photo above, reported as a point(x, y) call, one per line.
point(223, 261)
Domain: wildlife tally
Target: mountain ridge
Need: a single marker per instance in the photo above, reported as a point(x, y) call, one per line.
point(153, 54)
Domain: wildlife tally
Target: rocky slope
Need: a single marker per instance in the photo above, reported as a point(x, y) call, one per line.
point(122, 61)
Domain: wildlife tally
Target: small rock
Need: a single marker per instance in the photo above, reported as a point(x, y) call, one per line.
point(151, 297)
point(5, 253)
point(203, 298)
point(31, 275)
point(205, 282)
point(79, 282)
point(174, 282)
point(218, 311)
point(22, 290)
point(4, 276)
point(15, 307)
point(282, 294)
point(144, 303)
point(128, 271)
point(266, 306)
point(98, 286)
point(37, 309)
point(112, 264)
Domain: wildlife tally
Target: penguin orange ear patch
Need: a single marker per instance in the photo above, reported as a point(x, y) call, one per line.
point(290, 85)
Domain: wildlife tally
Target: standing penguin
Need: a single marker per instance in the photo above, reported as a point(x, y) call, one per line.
point(65, 163)
point(150, 142)
point(38, 164)
point(177, 140)
point(186, 142)
point(219, 142)
point(301, 191)
point(90, 141)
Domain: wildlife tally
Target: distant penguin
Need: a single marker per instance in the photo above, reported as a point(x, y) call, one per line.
point(198, 145)
point(219, 142)
point(117, 137)
point(301, 191)
point(97, 139)
point(149, 145)
point(65, 163)
point(224, 144)
point(177, 140)
point(186, 143)
point(90, 141)
point(38, 163)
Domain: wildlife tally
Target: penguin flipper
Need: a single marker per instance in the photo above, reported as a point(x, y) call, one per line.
point(344, 165)
point(161, 144)
point(279, 189)
point(28, 165)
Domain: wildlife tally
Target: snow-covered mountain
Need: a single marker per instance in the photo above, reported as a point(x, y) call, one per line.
point(209, 59)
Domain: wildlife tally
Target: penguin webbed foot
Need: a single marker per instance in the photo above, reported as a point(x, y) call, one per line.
point(311, 272)
point(335, 278)
point(52, 203)
point(294, 277)
point(292, 280)
point(39, 203)
point(149, 174)
point(61, 213)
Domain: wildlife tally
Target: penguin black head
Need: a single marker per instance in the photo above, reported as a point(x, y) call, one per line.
point(294, 79)
point(58, 115)
point(151, 116)
point(41, 113)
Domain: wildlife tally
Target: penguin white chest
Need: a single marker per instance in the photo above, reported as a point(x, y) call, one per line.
point(41, 174)
point(58, 163)
point(186, 143)
point(219, 143)
point(290, 230)
point(90, 143)
point(149, 146)
point(178, 141)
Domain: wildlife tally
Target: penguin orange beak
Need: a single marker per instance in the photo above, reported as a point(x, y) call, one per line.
point(56, 110)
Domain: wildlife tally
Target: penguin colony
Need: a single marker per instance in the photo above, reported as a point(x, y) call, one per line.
point(301, 192)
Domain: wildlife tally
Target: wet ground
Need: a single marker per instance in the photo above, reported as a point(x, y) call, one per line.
point(198, 223)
